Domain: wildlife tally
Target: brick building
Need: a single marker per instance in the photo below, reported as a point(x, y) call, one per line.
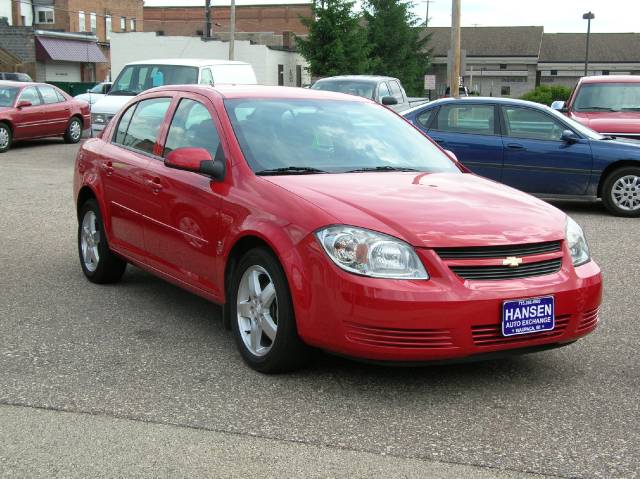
point(91, 17)
point(189, 20)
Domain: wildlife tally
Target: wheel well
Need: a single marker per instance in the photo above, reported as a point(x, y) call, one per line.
point(611, 168)
point(79, 117)
point(8, 123)
point(239, 249)
point(85, 194)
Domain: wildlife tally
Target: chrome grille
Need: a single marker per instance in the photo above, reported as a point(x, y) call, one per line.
point(477, 252)
point(527, 270)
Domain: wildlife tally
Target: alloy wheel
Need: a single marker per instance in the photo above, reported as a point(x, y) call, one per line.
point(625, 193)
point(75, 130)
point(257, 310)
point(89, 241)
point(4, 137)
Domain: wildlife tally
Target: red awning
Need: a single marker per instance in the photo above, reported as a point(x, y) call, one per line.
point(62, 49)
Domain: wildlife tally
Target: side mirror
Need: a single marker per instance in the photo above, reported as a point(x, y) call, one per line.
point(197, 160)
point(23, 104)
point(106, 89)
point(569, 137)
point(559, 105)
point(389, 100)
point(452, 155)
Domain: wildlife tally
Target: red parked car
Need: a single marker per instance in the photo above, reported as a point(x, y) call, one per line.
point(608, 104)
point(37, 110)
point(324, 220)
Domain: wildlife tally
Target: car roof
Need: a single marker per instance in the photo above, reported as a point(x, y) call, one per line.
point(22, 84)
point(371, 78)
point(611, 79)
point(473, 99)
point(261, 92)
point(191, 62)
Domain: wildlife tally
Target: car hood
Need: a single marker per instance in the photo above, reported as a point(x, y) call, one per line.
point(110, 104)
point(610, 121)
point(431, 210)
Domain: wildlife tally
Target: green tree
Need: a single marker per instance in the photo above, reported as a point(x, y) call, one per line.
point(547, 94)
point(398, 45)
point(337, 43)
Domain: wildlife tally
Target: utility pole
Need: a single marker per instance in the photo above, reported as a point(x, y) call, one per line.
point(232, 29)
point(588, 17)
point(426, 19)
point(454, 73)
point(207, 19)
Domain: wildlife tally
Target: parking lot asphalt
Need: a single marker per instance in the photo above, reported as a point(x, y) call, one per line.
point(140, 378)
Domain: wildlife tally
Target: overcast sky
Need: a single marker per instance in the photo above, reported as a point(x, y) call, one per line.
point(553, 15)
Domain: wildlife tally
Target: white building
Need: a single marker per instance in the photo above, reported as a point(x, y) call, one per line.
point(273, 66)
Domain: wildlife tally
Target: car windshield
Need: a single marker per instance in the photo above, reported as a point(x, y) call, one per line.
point(351, 87)
point(97, 89)
point(7, 95)
point(608, 97)
point(134, 79)
point(329, 136)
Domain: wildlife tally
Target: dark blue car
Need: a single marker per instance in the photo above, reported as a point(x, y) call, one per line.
point(535, 149)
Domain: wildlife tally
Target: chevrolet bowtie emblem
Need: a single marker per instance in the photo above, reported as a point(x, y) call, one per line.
point(512, 261)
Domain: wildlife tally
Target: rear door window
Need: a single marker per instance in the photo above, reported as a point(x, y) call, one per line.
point(141, 132)
point(475, 119)
point(49, 94)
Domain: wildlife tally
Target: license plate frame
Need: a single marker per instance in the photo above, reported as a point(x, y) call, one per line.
point(525, 316)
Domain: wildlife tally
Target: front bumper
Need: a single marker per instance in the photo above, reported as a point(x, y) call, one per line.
point(442, 318)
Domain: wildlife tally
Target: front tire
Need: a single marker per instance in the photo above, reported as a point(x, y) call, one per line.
point(74, 131)
point(99, 264)
point(621, 192)
point(5, 137)
point(262, 317)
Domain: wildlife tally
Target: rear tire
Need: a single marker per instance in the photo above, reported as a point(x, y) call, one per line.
point(74, 130)
point(262, 317)
point(5, 137)
point(99, 264)
point(621, 192)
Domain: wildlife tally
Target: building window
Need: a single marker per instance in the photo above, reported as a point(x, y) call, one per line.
point(505, 90)
point(44, 15)
point(503, 66)
point(82, 24)
point(123, 24)
point(93, 22)
point(554, 73)
point(605, 72)
point(107, 27)
point(132, 24)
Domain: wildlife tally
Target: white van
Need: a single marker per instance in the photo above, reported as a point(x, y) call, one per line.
point(137, 77)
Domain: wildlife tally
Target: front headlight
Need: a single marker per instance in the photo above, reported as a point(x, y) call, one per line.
point(98, 118)
point(368, 253)
point(577, 243)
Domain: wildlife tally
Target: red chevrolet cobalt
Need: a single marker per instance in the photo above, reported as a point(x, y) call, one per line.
point(37, 110)
point(322, 220)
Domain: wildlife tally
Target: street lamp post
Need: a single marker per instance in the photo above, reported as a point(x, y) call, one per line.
point(588, 17)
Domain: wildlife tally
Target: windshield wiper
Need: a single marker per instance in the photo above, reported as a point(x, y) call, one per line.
point(290, 170)
point(596, 108)
point(381, 168)
point(123, 92)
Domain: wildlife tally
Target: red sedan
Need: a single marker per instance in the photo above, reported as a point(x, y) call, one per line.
point(322, 220)
point(37, 110)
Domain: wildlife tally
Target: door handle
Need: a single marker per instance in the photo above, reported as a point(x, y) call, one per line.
point(515, 146)
point(107, 167)
point(154, 184)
